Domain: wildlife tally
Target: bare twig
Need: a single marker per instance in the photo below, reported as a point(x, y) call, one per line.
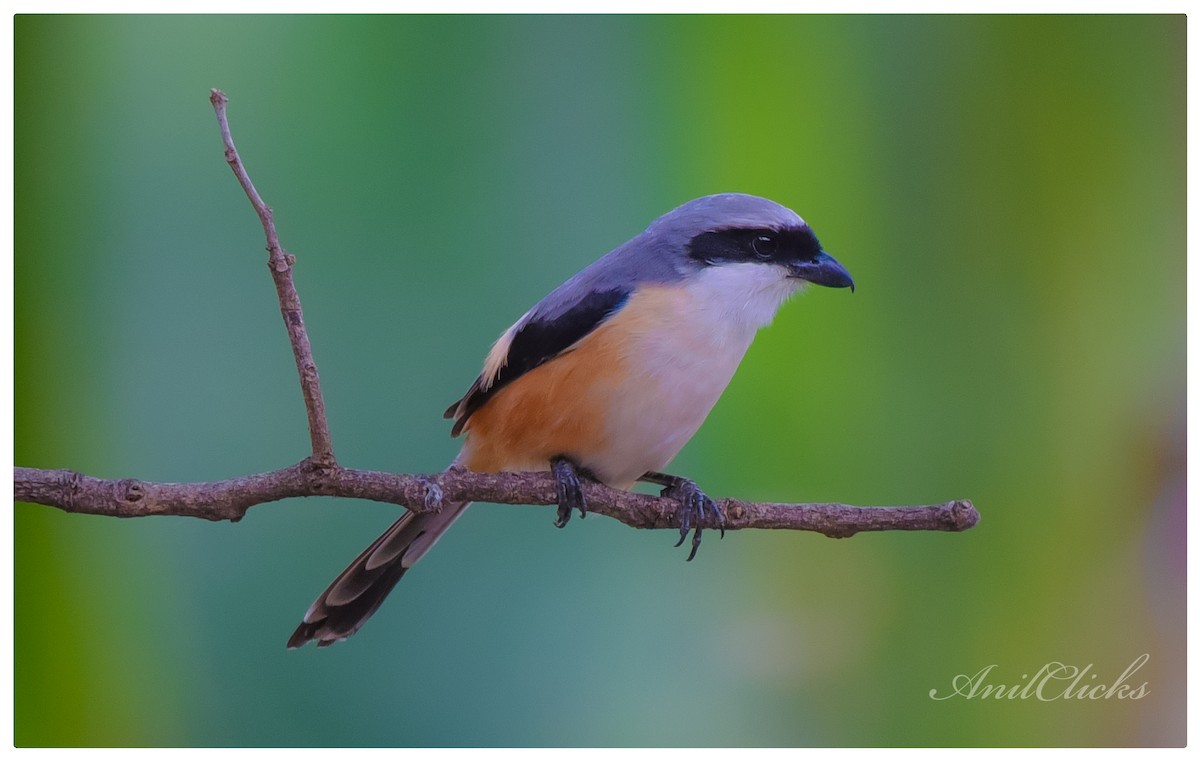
point(229, 500)
point(320, 474)
point(281, 263)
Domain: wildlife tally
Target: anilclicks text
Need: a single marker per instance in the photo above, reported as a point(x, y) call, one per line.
point(1053, 681)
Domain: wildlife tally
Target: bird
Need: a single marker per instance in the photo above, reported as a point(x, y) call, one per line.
point(608, 376)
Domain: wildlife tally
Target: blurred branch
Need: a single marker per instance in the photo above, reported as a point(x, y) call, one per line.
point(229, 500)
point(321, 475)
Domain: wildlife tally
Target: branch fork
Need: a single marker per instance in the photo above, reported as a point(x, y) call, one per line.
point(320, 474)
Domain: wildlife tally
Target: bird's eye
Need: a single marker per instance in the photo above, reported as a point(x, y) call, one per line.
point(764, 246)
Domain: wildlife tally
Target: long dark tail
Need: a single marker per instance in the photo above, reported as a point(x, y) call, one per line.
point(358, 592)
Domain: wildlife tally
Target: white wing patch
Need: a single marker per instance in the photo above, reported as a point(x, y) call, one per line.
point(497, 358)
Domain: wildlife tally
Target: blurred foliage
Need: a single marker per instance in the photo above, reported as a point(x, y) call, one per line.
point(1008, 192)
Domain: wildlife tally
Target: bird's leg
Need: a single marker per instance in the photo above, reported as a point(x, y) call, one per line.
point(569, 485)
point(694, 505)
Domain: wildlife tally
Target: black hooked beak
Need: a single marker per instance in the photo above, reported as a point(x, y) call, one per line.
point(824, 270)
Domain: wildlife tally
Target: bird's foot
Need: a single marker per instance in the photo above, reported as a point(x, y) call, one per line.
point(694, 507)
point(569, 486)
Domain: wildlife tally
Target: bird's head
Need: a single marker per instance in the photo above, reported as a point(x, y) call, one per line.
point(738, 229)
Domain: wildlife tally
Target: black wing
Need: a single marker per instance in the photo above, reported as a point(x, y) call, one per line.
point(537, 341)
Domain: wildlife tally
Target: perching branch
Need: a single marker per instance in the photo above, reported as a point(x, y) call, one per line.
point(229, 500)
point(321, 475)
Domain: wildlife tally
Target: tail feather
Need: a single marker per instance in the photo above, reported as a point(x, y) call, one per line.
point(358, 591)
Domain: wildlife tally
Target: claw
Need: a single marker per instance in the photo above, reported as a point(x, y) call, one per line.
point(569, 490)
point(720, 518)
point(695, 544)
point(693, 507)
point(685, 519)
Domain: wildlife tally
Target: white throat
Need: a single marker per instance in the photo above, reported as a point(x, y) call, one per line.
point(741, 298)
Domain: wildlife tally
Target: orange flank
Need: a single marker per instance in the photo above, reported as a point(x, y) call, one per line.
point(622, 401)
point(555, 409)
point(560, 408)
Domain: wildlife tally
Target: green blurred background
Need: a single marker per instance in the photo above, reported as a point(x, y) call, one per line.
point(1008, 193)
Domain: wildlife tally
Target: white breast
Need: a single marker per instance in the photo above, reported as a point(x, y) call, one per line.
point(684, 345)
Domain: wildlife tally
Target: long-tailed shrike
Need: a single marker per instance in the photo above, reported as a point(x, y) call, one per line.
point(609, 376)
